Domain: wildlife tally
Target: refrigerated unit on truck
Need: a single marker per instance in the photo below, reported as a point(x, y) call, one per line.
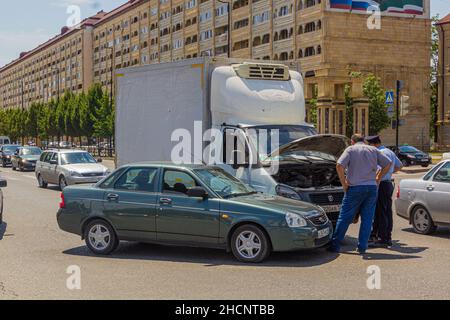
point(249, 102)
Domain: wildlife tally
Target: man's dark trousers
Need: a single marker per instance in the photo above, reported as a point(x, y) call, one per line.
point(383, 223)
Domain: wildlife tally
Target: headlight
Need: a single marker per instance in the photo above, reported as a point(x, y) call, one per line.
point(295, 221)
point(24, 161)
point(287, 192)
point(75, 174)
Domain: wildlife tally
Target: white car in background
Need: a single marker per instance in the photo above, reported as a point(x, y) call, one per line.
point(425, 202)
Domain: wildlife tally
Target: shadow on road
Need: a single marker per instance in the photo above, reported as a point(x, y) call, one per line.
point(398, 251)
point(441, 232)
point(207, 257)
point(3, 230)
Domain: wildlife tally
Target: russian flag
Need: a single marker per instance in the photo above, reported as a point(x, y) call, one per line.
point(341, 4)
point(363, 5)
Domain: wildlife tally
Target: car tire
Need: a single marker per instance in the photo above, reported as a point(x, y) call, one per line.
point(21, 169)
point(62, 183)
point(425, 165)
point(41, 182)
point(4, 164)
point(405, 163)
point(13, 168)
point(100, 237)
point(250, 244)
point(422, 221)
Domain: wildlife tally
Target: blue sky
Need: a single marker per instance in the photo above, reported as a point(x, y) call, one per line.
point(24, 24)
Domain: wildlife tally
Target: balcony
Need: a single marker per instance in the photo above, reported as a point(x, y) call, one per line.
point(261, 50)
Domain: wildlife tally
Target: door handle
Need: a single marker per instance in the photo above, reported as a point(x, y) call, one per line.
point(430, 188)
point(112, 197)
point(165, 201)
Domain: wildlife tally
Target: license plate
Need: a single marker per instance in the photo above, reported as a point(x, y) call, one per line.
point(332, 208)
point(323, 233)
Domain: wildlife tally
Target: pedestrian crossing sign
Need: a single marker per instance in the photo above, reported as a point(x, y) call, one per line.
point(389, 97)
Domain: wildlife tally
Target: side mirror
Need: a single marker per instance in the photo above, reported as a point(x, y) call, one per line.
point(3, 184)
point(99, 160)
point(197, 192)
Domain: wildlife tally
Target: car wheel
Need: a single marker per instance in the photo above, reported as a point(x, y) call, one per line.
point(250, 244)
point(41, 182)
point(425, 165)
point(4, 164)
point(13, 168)
point(100, 237)
point(422, 221)
point(405, 163)
point(21, 168)
point(62, 183)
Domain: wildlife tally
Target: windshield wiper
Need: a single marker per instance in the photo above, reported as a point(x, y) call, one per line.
point(235, 195)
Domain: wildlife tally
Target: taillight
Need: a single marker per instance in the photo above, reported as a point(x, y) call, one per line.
point(398, 192)
point(62, 204)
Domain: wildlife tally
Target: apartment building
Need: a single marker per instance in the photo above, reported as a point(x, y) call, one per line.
point(443, 75)
point(44, 73)
point(329, 40)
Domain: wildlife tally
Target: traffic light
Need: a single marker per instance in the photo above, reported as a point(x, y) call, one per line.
point(404, 105)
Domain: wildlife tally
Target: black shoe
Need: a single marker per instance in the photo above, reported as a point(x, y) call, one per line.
point(361, 252)
point(381, 244)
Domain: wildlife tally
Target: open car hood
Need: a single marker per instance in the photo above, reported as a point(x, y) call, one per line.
point(331, 144)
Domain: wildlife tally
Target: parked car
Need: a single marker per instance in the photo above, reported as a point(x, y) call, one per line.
point(4, 140)
point(68, 167)
point(25, 158)
point(3, 184)
point(191, 205)
point(410, 156)
point(425, 202)
point(65, 144)
point(6, 152)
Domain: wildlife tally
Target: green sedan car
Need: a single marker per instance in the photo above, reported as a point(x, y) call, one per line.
point(189, 205)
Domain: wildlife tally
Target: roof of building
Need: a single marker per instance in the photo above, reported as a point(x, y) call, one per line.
point(119, 10)
point(444, 20)
point(65, 31)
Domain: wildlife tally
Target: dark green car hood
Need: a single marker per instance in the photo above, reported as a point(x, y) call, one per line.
point(280, 204)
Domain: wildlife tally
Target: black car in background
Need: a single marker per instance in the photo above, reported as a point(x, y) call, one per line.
point(410, 156)
point(3, 184)
point(25, 158)
point(6, 152)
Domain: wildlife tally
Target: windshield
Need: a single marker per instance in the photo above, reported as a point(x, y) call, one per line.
point(77, 157)
point(10, 148)
point(31, 151)
point(277, 136)
point(408, 149)
point(223, 183)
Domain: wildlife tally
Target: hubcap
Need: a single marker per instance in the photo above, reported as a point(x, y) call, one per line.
point(421, 220)
point(248, 244)
point(99, 237)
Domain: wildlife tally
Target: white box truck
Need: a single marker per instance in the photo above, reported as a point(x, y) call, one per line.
point(249, 101)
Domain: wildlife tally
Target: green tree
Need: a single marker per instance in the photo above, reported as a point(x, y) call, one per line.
point(434, 73)
point(378, 116)
point(31, 122)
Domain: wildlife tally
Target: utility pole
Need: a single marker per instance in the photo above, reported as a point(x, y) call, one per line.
point(229, 25)
point(397, 113)
point(113, 62)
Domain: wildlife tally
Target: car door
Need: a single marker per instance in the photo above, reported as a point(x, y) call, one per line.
point(438, 194)
point(130, 203)
point(182, 218)
point(52, 168)
point(44, 165)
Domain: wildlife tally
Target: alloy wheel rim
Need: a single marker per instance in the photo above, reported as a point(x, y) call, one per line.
point(421, 220)
point(248, 244)
point(62, 183)
point(99, 237)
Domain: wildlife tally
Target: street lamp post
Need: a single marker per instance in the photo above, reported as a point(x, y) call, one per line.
point(111, 91)
point(229, 24)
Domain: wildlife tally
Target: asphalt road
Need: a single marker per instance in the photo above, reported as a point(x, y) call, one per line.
point(35, 255)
